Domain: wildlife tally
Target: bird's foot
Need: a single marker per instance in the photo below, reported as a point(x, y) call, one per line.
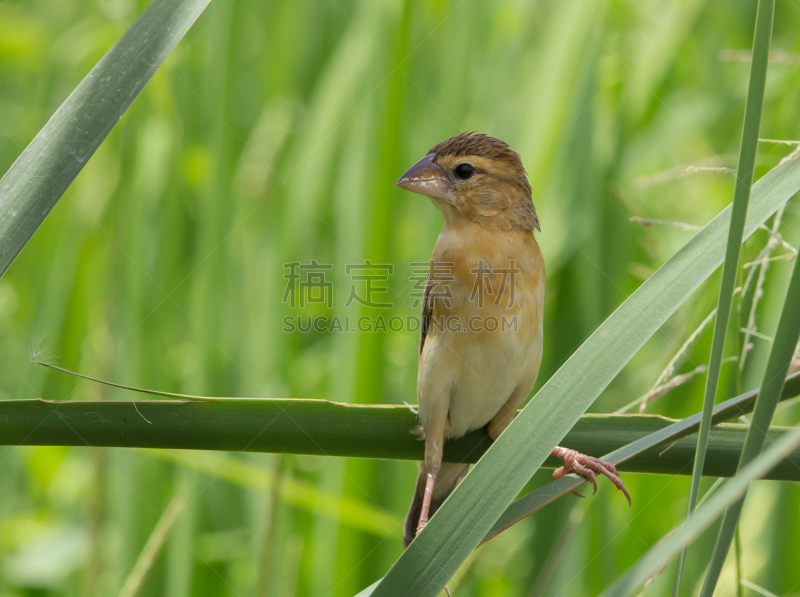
point(588, 467)
point(421, 526)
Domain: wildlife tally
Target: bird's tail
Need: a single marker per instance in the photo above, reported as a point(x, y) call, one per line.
point(450, 475)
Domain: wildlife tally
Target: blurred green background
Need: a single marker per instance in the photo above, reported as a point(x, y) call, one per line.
point(274, 134)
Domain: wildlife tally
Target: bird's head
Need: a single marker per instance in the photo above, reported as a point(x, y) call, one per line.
point(475, 177)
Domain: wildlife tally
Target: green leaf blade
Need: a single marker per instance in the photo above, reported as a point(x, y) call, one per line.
point(317, 427)
point(654, 560)
point(730, 409)
point(741, 197)
point(45, 169)
point(778, 362)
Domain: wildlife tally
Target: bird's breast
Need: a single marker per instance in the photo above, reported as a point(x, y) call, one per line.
point(488, 276)
point(485, 331)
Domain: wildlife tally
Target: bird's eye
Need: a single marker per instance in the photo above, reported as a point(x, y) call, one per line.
point(464, 171)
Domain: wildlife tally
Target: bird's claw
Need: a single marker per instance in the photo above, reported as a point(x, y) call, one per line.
point(588, 467)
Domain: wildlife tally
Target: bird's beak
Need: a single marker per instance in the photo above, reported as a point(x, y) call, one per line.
point(425, 177)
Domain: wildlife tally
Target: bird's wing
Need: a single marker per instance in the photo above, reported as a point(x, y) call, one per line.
point(427, 309)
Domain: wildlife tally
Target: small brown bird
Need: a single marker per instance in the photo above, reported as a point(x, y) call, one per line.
point(482, 309)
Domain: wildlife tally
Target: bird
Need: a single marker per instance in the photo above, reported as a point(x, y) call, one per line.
point(482, 314)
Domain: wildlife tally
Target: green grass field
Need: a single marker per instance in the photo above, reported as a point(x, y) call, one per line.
point(273, 134)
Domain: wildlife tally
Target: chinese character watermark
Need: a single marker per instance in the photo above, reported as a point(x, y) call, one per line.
point(436, 275)
point(484, 275)
point(307, 284)
point(433, 281)
point(376, 280)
